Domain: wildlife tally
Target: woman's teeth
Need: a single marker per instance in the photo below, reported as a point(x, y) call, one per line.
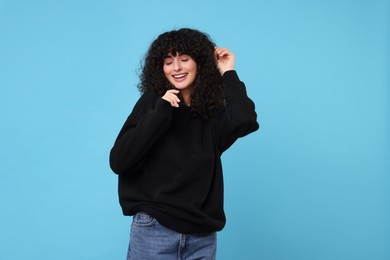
point(179, 76)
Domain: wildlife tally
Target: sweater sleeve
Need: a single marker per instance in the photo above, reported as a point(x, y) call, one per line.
point(147, 123)
point(239, 118)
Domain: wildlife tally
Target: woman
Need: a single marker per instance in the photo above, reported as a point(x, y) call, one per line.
point(167, 155)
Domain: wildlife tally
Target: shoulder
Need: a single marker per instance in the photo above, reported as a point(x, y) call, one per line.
point(146, 102)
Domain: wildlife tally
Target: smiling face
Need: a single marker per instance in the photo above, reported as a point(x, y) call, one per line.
point(180, 70)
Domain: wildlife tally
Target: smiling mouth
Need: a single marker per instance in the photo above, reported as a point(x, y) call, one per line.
point(179, 76)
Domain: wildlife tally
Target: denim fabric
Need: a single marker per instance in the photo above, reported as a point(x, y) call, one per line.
point(150, 240)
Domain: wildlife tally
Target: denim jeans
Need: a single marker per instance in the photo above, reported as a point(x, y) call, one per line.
point(150, 240)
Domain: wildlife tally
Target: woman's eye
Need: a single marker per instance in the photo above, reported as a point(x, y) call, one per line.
point(184, 60)
point(168, 62)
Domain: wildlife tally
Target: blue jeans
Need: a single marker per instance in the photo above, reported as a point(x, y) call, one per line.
point(150, 240)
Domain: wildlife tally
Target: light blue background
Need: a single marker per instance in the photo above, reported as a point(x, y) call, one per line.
point(312, 184)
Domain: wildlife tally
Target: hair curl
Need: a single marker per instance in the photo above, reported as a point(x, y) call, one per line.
point(207, 93)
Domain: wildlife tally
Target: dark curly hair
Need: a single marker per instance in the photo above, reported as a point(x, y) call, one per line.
point(207, 94)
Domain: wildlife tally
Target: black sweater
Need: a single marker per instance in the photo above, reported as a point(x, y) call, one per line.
point(168, 161)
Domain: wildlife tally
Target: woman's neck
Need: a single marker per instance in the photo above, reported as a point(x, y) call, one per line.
point(186, 94)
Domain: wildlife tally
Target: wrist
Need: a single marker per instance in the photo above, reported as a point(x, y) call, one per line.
point(226, 70)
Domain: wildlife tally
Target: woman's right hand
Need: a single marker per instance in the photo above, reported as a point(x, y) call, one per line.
point(171, 97)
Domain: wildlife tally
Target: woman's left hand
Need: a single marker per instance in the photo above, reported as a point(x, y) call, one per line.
point(225, 59)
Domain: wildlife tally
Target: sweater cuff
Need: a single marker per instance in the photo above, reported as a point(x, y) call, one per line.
point(163, 107)
point(230, 75)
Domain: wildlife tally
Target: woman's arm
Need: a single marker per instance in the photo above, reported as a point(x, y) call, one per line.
point(147, 123)
point(239, 118)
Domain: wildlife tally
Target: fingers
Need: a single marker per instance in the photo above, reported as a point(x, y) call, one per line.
point(222, 53)
point(225, 59)
point(171, 97)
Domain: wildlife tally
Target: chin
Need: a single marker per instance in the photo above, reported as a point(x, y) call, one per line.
point(179, 87)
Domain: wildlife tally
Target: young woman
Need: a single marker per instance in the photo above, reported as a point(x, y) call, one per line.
point(168, 154)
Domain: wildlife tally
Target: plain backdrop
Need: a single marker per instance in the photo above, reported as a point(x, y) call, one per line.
point(312, 184)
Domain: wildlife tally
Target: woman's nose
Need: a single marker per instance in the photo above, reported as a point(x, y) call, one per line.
point(176, 65)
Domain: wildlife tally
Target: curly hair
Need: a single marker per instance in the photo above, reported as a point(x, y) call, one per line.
point(207, 93)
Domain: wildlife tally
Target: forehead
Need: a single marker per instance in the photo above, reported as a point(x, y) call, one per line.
point(170, 55)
